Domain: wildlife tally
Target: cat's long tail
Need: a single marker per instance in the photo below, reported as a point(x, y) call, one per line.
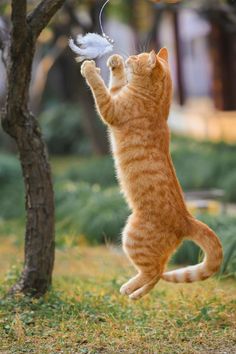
point(205, 238)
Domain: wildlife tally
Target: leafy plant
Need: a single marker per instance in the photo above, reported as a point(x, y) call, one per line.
point(9, 169)
point(88, 210)
point(99, 171)
point(63, 131)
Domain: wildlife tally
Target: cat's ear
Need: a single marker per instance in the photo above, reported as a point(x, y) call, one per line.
point(163, 54)
point(152, 59)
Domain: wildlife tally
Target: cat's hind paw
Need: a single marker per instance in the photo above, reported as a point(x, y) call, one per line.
point(130, 286)
point(138, 286)
point(137, 294)
point(126, 289)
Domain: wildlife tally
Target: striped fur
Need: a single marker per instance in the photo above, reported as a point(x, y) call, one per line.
point(136, 108)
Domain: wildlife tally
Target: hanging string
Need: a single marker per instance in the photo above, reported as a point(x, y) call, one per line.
point(100, 22)
point(100, 16)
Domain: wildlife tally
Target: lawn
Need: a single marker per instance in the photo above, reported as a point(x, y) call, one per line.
point(84, 312)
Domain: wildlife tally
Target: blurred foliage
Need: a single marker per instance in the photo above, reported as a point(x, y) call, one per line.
point(9, 169)
point(7, 144)
point(94, 171)
point(89, 205)
point(63, 131)
point(225, 227)
point(12, 195)
point(121, 10)
point(89, 211)
point(222, 12)
point(229, 185)
point(201, 165)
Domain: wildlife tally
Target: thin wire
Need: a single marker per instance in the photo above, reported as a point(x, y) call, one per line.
point(100, 16)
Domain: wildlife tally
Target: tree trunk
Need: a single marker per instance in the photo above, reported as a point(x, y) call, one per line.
point(223, 51)
point(20, 124)
point(39, 236)
point(179, 59)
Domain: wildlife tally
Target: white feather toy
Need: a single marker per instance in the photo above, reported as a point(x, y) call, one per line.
point(92, 45)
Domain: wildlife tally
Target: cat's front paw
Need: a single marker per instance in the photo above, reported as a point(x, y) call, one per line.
point(115, 62)
point(88, 66)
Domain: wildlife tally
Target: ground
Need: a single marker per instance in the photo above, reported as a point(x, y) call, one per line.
point(84, 312)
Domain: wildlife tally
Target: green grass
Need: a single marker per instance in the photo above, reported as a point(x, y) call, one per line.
point(84, 312)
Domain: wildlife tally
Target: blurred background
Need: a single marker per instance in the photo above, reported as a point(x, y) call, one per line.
point(201, 38)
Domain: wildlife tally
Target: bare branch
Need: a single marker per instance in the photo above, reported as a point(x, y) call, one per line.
point(19, 25)
point(42, 14)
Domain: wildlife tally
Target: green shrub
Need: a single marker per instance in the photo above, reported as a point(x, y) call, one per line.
point(187, 254)
point(9, 169)
point(229, 185)
point(88, 201)
point(93, 171)
point(62, 130)
point(203, 165)
point(82, 209)
point(12, 200)
point(11, 188)
point(7, 144)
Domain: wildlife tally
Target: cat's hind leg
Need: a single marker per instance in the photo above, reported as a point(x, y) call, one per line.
point(139, 285)
point(117, 73)
point(137, 294)
point(141, 244)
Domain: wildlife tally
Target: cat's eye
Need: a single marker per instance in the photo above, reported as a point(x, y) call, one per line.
point(133, 57)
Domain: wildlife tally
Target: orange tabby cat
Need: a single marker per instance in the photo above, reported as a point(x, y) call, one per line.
point(135, 108)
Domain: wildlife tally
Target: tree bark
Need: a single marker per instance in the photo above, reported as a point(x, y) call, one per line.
point(21, 125)
point(180, 79)
point(223, 51)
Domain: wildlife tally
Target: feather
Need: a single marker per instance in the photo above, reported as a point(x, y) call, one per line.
point(90, 46)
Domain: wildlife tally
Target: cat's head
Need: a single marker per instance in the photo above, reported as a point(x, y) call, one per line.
point(148, 67)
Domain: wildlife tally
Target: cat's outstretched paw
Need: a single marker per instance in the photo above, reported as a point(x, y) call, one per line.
point(89, 66)
point(115, 62)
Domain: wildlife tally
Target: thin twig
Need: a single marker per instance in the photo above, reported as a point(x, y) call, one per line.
point(42, 14)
